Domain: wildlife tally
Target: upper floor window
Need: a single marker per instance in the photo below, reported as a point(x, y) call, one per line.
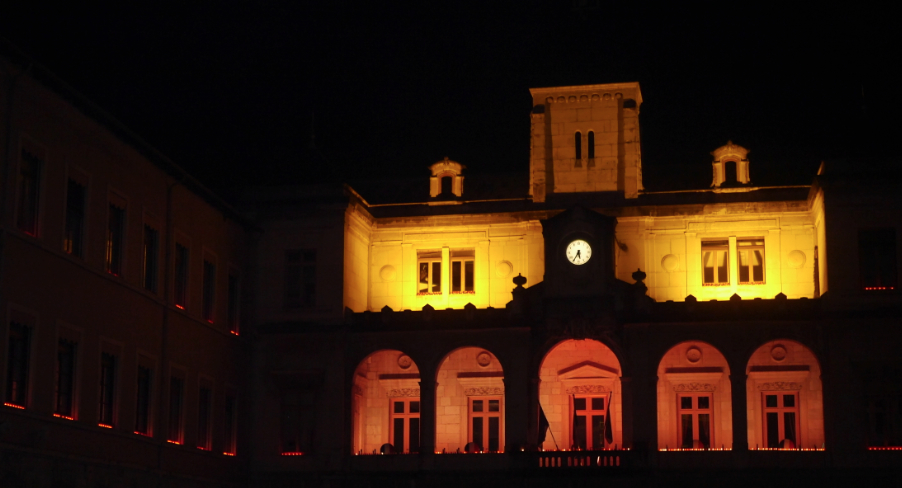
point(233, 310)
point(115, 239)
point(297, 421)
point(142, 407)
point(176, 399)
point(485, 424)
point(695, 420)
point(300, 278)
point(578, 143)
point(877, 258)
point(590, 143)
point(107, 389)
point(716, 263)
point(229, 424)
point(209, 290)
point(30, 167)
point(781, 419)
point(204, 404)
point(405, 424)
point(429, 266)
point(462, 272)
point(181, 276)
point(151, 257)
point(65, 379)
point(589, 414)
point(750, 253)
point(17, 365)
point(75, 218)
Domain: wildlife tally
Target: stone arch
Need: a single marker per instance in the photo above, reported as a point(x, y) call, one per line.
point(575, 377)
point(469, 402)
point(784, 396)
point(381, 379)
point(733, 153)
point(694, 398)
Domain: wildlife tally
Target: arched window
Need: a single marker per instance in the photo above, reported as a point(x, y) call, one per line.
point(578, 140)
point(591, 143)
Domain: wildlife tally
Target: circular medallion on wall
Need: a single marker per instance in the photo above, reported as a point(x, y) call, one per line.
point(503, 269)
point(796, 259)
point(670, 263)
point(778, 352)
point(404, 361)
point(693, 354)
point(484, 359)
point(387, 273)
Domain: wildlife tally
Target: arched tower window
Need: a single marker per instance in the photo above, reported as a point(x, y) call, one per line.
point(446, 179)
point(578, 141)
point(591, 144)
point(730, 165)
point(446, 185)
point(729, 169)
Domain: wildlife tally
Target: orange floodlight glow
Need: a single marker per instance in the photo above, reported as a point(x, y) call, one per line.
point(228, 454)
point(178, 443)
point(105, 426)
point(59, 416)
point(20, 407)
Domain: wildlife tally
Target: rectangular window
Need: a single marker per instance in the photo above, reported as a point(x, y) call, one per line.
point(73, 238)
point(297, 422)
point(877, 258)
point(885, 417)
point(176, 398)
point(694, 412)
point(151, 257)
point(485, 423)
point(142, 408)
point(462, 272)
point(300, 278)
point(209, 290)
point(29, 192)
point(204, 404)
point(430, 273)
point(181, 276)
point(17, 365)
point(405, 425)
point(781, 419)
point(716, 263)
point(115, 239)
point(751, 261)
point(65, 379)
point(229, 425)
point(588, 422)
point(234, 296)
point(107, 389)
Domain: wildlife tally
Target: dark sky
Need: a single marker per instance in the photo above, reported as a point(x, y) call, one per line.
point(228, 89)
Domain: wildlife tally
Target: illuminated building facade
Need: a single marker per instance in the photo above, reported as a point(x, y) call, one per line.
point(564, 322)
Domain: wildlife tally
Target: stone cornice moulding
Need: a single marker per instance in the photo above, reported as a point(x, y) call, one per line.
point(404, 392)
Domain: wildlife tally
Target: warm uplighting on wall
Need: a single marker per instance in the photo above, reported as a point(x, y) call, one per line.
point(180, 307)
point(676, 449)
point(105, 426)
point(20, 407)
point(59, 416)
point(294, 453)
point(886, 448)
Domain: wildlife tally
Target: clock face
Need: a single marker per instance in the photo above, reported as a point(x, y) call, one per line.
point(579, 252)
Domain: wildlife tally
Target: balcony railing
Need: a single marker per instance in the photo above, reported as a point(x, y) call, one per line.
point(582, 459)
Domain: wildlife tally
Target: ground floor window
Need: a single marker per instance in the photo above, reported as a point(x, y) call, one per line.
point(485, 424)
point(694, 412)
point(781, 419)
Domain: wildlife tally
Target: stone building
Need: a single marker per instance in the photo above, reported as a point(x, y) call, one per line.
point(562, 323)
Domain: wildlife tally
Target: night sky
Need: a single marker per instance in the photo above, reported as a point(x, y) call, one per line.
point(232, 91)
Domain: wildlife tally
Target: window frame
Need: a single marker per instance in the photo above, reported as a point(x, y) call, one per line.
point(181, 276)
point(208, 299)
point(461, 275)
point(716, 246)
point(406, 416)
point(28, 192)
point(233, 308)
point(65, 408)
point(299, 286)
point(695, 412)
point(147, 409)
point(781, 428)
point(485, 414)
point(878, 259)
point(18, 365)
point(750, 267)
point(117, 222)
point(588, 413)
point(108, 391)
point(151, 258)
point(205, 416)
point(175, 428)
point(230, 424)
point(430, 259)
point(74, 223)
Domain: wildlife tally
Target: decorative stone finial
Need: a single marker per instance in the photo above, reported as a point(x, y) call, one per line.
point(519, 280)
point(639, 275)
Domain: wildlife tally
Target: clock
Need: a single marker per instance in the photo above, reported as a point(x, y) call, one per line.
point(578, 252)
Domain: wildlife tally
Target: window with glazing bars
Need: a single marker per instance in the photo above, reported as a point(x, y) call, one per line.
point(429, 273)
point(405, 424)
point(204, 404)
point(176, 398)
point(462, 272)
point(695, 420)
point(485, 423)
point(781, 419)
point(588, 422)
point(750, 253)
point(716, 263)
point(142, 407)
point(17, 364)
point(65, 378)
point(107, 389)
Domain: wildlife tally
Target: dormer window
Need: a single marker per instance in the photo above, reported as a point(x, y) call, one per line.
point(730, 165)
point(446, 179)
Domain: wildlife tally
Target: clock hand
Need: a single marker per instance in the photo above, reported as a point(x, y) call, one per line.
point(577, 254)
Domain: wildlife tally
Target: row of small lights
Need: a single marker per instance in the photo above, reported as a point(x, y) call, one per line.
point(869, 288)
point(672, 449)
point(108, 426)
point(787, 449)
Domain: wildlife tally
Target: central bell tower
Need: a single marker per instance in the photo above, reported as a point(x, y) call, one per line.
point(585, 139)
